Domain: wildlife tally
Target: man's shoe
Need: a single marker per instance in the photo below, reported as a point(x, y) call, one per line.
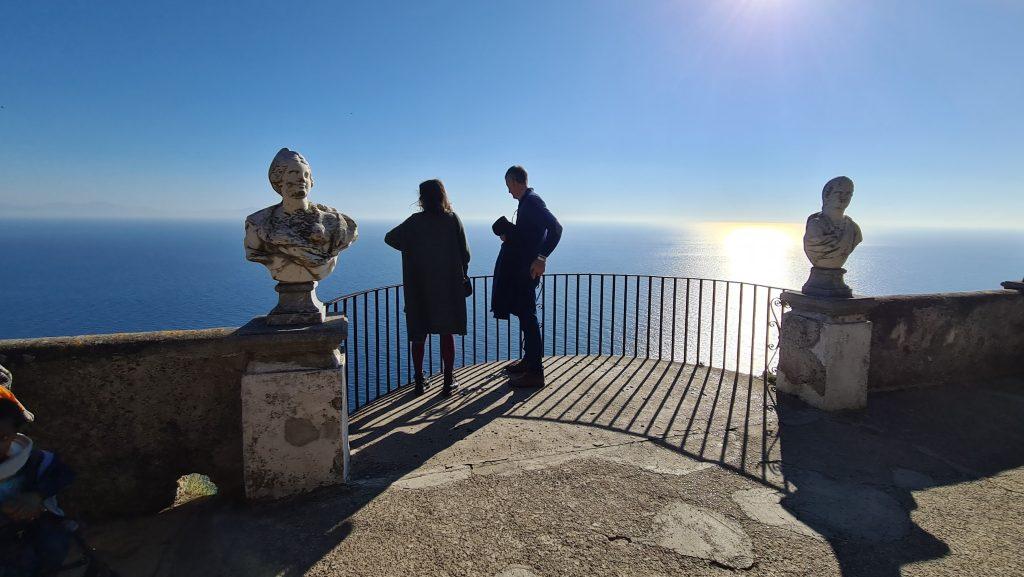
point(516, 368)
point(528, 380)
point(420, 384)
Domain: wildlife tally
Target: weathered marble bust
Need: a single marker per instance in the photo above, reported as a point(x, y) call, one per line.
point(829, 239)
point(297, 240)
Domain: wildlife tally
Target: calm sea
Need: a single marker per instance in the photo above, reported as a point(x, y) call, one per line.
point(82, 277)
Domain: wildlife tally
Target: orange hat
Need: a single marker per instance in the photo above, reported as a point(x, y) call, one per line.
point(8, 396)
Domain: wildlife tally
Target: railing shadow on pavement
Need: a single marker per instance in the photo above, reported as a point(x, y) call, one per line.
point(849, 477)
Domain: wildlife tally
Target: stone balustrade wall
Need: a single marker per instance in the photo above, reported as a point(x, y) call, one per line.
point(934, 339)
point(133, 412)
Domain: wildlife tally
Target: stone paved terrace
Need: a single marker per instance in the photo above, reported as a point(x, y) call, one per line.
point(631, 467)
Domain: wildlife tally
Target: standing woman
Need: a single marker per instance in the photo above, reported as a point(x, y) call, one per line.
point(435, 260)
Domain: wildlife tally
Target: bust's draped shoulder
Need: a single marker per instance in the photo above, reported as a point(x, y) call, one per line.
point(299, 246)
point(852, 225)
point(326, 213)
point(828, 245)
point(261, 216)
point(259, 222)
point(341, 227)
point(815, 220)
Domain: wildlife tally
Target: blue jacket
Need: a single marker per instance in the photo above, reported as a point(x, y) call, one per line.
point(44, 473)
point(535, 232)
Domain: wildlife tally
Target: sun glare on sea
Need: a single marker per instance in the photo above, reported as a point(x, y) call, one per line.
point(760, 252)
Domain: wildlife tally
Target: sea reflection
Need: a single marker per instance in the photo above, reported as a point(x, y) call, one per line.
point(223, 289)
point(763, 253)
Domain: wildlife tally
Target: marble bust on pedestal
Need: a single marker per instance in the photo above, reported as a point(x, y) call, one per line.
point(829, 239)
point(297, 240)
point(825, 337)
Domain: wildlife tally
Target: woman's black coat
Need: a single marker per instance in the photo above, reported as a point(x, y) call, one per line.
point(435, 258)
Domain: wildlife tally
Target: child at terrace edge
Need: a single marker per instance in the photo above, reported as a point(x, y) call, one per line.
point(34, 536)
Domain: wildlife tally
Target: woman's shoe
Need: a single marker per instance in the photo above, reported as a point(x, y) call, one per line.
point(420, 384)
point(449, 383)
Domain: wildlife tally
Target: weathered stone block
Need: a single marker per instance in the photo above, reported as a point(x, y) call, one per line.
point(294, 428)
point(824, 351)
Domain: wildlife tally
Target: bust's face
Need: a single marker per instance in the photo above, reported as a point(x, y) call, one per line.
point(839, 198)
point(296, 181)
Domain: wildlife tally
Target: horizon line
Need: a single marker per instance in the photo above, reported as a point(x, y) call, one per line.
point(637, 220)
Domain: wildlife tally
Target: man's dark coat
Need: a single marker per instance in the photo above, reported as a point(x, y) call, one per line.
point(535, 232)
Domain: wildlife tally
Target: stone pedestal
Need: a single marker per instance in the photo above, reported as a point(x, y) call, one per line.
point(824, 350)
point(294, 413)
point(827, 282)
point(297, 304)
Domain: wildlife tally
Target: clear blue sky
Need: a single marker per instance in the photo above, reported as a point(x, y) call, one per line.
point(678, 110)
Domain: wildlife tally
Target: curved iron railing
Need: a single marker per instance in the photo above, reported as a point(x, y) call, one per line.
point(723, 324)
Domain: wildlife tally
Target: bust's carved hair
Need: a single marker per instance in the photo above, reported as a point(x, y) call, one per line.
point(280, 163)
point(832, 184)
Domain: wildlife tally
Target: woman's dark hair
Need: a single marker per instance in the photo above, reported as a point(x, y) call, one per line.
point(433, 198)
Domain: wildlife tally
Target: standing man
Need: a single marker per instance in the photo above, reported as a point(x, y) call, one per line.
point(525, 248)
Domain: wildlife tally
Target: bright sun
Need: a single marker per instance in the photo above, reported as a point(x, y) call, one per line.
point(759, 250)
